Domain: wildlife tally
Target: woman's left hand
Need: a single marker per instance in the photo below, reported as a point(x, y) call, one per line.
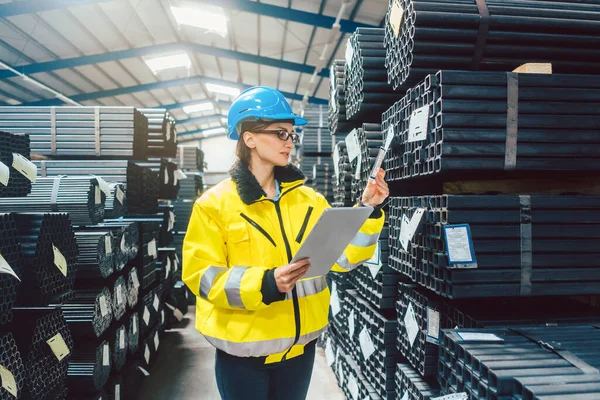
point(377, 190)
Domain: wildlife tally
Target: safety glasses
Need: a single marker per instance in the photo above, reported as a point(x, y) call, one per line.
point(281, 134)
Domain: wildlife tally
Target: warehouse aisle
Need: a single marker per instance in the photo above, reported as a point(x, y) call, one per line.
point(184, 369)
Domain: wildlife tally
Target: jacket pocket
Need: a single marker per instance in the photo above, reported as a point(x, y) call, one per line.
point(259, 228)
point(304, 225)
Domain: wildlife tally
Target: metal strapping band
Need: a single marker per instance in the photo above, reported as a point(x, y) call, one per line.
point(526, 247)
point(54, 195)
point(512, 120)
point(53, 130)
point(319, 139)
point(482, 33)
point(556, 348)
point(97, 129)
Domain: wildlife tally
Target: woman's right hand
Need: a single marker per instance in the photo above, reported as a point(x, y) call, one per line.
point(286, 276)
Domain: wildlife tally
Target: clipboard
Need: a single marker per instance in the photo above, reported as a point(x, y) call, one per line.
point(332, 233)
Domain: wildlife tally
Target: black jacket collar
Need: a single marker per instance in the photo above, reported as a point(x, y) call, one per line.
point(248, 187)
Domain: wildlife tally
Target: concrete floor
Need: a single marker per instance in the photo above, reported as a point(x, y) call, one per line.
point(185, 369)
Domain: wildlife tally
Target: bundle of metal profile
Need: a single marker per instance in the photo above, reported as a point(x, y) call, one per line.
point(410, 385)
point(149, 275)
point(338, 310)
point(191, 188)
point(11, 259)
point(127, 239)
point(307, 162)
point(81, 197)
point(167, 213)
point(183, 212)
point(559, 233)
point(119, 298)
point(148, 230)
point(562, 387)
point(180, 293)
point(422, 37)
point(343, 181)
point(149, 346)
point(116, 203)
point(133, 333)
point(338, 124)
point(149, 309)
point(464, 125)
point(114, 388)
point(95, 254)
point(369, 140)
point(368, 93)
point(89, 367)
point(12, 365)
point(315, 138)
point(80, 132)
point(143, 187)
point(382, 331)
point(49, 258)
point(162, 133)
point(133, 286)
point(321, 180)
point(90, 313)
point(486, 362)
point(45, 344)
point(189, 158)
point(117, 338)
point(168, 177)
point(167, 265)
point(13, 148)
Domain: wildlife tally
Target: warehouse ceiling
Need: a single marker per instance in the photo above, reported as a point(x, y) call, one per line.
point(125, 52)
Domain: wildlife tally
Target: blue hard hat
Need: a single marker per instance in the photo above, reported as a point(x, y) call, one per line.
point(259, 103)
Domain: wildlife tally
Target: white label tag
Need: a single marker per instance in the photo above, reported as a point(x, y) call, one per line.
point(479, 337)
point(134, 324)
point(103, 306)
point(353, 387)
point(105, 355)
point(167, 267)
point(433, 325)
point(134, 279)
point(107, 244)
point(404, 236)
point(119, 294)
point(103, 186)
point(410, 228)
point(329, 356)
point(122, 245)
point(117, 392)
point(374, 263)
point(25, 167)
point(180, 175)
point(459, 244)
point(405, 396)
point(410, 322)
point(120, 195)
point(335, 301)
point(59, 260)
point(351, 323)
point(146, 373)
point(146, 316)
point(352, 145)
point(390, 137)
point(396, 18)
point(358, 167)
point(8, 381)
point(97, 195)
point(417, 127)
point(58, 346)
point(453, 396)
point(366, 344)
point(336, 161)
point(171, 220)
point(162, 317)
point(156, 302)
point(166, 180)
point(340, 373)
point(122, 339)
point(156, 341)
point(152, 248)
point(349, 53)
point(178, 314)
point(4, 174)
point(147, 355)
point(5, 268)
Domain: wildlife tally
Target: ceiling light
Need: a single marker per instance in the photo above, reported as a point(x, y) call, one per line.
point(198, 107)
point(229, 90)
point(214, 131)
point(12, 101)
point(167, 62)
point(209, 18)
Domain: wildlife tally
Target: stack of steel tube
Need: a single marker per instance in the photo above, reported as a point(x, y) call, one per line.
point(560, 233)
point(338, 124)
point(90, 313)
point(10, 144)
point(81, 197)
point(133, 333)
point(96, 253)
point(162, 134)
point(50, 257)
point(423, 36)
point(183, 211)
point(343, 181)
point(167, 265)
point(459, 125)
point(12, 363)
point(11, 259)
point(116, 203)
point(367, 92)
point(189, 158)
point(118, 345)
point(133, 286)
point(89, 367)
point(80, 132)
point(168, 177)
point(191, 188)
point(369, 139)
point(412, 386)
point(126, 239)
point(315, 139)
point(45, 344)
point(321, 180)
point(119, 298)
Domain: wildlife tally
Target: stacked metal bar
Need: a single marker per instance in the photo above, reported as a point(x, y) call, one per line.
point(11, 264)
point(487, 362)
point(321, 180)
point(338, 124)
point(81, 197)
point(343, 181)
point(50, 258)
point(314, 137)
point(116, 203)
point(369, 139)
point(422, 37)
point(189, 158)
point(90, 313)
point(133, 286)
point(191, 187)
point(80, 132)
point(183, 211)
point(142, 189)
point(114, 388)
point(181, 295)
point(149, 347)
point(119, 346)
point(12, 365)
point(18, 184)
point(167, 179)
point(119, 298)
point(133, 333)
point(95, 253)
point(89, 368)
point(457, 125)
point(126, 239)
point(45, 344)
point(412, 386)
point(162, 134)
point(563, 245)
point(367, 92)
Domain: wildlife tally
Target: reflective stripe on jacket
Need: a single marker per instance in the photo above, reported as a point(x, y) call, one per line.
point(235, 237)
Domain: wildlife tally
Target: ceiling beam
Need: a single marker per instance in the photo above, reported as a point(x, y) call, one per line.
point(156, 50)
point(161, 85)
point(192, 135)
point(35, 6)
point(199, 120)
point(287, 14)
point(173, 106)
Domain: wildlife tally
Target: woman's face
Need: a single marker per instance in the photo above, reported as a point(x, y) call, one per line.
point(270, 148)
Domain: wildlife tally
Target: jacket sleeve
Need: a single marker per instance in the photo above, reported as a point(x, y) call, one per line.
point(363, 245)
point(206, 272)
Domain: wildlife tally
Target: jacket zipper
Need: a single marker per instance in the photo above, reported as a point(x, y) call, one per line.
point(304, 225)
point(260, 228)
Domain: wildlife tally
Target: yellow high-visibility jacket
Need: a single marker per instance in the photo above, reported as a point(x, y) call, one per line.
point(235, 238)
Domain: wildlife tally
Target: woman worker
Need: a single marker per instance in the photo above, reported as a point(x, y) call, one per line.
point(243, 233)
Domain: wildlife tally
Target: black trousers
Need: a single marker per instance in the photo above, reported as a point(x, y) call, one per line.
point(241, 378)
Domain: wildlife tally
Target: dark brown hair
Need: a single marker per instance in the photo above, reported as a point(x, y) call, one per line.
point(242, 151)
